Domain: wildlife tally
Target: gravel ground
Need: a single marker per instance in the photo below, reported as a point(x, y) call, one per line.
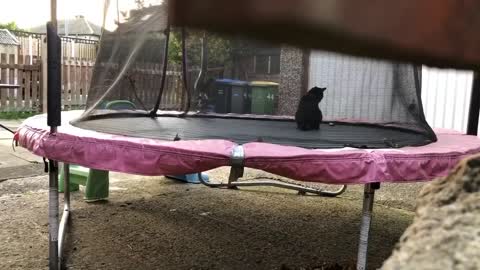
point(157, 223)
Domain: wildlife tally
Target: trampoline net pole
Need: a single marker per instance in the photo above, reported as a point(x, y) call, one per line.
point(53, 120)
point(66, 211)
point(474, 111)
point(368, 198)
point(53, 215)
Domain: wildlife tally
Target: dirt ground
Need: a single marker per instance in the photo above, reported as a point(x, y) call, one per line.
point(159, 223)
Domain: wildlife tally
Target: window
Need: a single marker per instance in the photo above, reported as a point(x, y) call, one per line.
point(275, 64)
point(266, 61)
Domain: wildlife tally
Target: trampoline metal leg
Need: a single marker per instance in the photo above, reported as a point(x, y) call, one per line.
point(66, 212)
point(368, 198)
point(53, 216)
point(235, 173)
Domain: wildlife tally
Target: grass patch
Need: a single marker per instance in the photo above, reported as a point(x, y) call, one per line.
point(16, 115)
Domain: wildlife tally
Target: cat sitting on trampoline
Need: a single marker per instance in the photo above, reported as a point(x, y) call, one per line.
point(308, 115)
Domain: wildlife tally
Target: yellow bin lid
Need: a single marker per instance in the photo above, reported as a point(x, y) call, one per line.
point(263, 83)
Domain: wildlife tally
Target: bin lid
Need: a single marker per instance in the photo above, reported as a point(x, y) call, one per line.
point(232, 82)
point(263, 83)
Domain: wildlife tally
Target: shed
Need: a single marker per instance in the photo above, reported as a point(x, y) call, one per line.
point(9, 44)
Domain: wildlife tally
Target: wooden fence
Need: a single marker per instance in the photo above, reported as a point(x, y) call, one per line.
point(72, 47)
point(141, 83)
point(24, 82)
point(25, 85)
point(76, 76)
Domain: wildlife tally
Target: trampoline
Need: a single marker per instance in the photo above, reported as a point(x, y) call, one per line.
point(373, 130)
point(345, 165)
point(272, 130)
point(342, 166)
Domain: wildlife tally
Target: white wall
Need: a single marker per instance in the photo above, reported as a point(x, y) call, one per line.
point(446, 97)
point(8, 49)
point(445, 93)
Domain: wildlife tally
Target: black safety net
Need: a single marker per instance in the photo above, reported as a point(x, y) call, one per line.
point(155, 80)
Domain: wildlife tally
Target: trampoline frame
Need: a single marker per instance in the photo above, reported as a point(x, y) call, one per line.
point(237, 169)
point(57, 229)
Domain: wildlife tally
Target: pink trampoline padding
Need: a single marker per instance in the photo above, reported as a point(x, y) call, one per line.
point(120, 153)
point(155, 157)
point(361, 166)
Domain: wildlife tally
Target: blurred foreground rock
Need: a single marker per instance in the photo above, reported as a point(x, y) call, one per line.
point(445, 233)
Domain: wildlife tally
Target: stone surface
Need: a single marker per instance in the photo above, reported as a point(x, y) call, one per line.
point(10, 155)
point(16, 162)
point(292, 78)
point(446, 231)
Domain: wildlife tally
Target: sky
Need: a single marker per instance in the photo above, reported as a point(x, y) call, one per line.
point(29, 13)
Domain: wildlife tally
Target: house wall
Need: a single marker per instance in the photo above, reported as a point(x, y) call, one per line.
point(244, 69)
point(8, 49)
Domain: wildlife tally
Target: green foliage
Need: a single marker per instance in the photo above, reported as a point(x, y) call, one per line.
point(16, 115)
point(175, 48)
point(11, 26)
point(140, 3)
point(219, 49)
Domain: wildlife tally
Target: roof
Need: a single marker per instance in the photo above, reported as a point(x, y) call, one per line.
point(147, 19)
point(77, 26)
point(7, 38)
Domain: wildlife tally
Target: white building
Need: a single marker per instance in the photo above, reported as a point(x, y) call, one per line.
point(9, 44)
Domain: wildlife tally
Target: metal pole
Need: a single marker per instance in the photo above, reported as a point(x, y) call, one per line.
point(200, 82)
point(368, 197)
point(66, 210)
point(53, 89)
point(474, 111)
point(53, 12)
point(53, 215)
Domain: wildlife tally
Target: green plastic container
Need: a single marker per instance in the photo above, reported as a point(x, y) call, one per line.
point(96, 182)
point(264, 95)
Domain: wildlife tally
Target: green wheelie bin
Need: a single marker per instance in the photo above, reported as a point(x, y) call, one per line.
point(264, 95)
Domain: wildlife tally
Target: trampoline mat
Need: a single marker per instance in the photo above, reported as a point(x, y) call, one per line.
point(243, 131)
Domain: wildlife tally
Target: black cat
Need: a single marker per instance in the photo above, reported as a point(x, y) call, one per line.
point(309, 116)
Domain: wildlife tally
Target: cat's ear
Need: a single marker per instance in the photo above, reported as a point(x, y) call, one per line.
point(316, 88)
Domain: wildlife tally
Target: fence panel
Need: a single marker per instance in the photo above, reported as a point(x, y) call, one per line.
point(23, 81)
point(27, 85)
point(78, 58)
point(11, 80)
point(36, 82)
point(20, 80)
point(3, 80)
